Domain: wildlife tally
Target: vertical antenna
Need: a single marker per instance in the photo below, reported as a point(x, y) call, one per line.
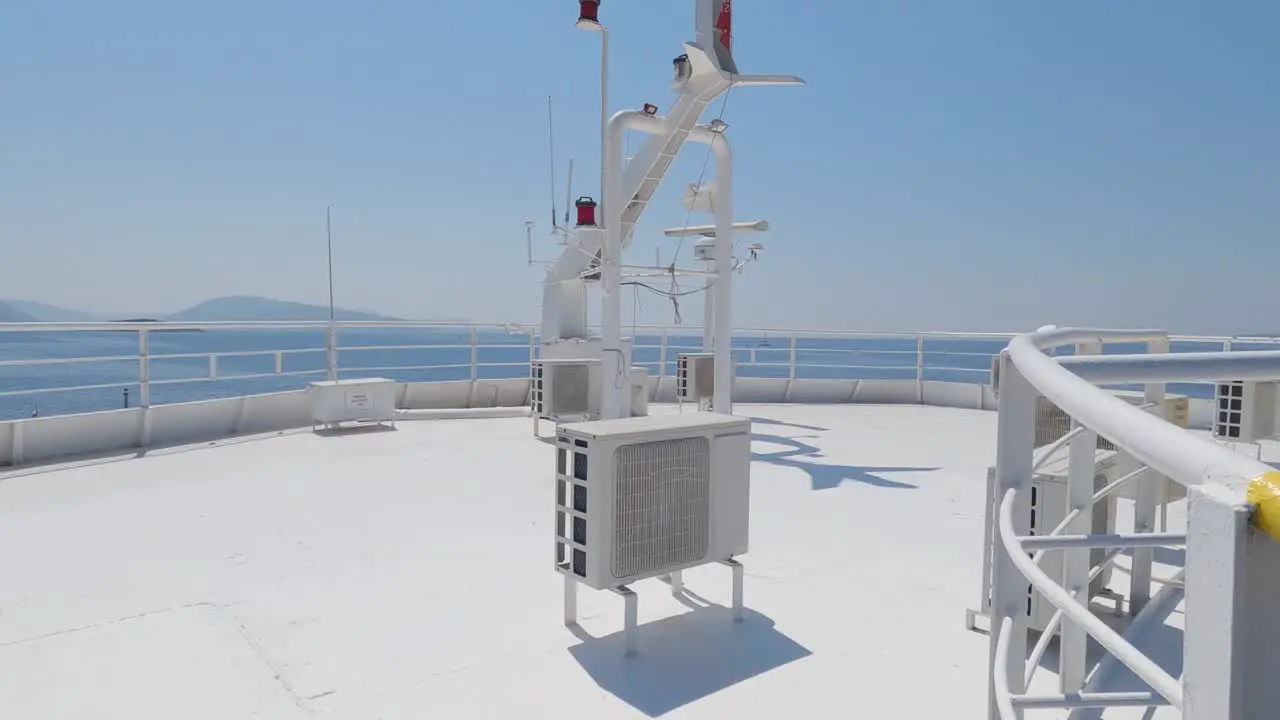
point(551, 146)
point(328, 232)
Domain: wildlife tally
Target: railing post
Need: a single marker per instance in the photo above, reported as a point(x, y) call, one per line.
point(662, 359)
point(920, 368)
point(144, 369)
point(791, 370)
point(331, 351)
point(1076, 563)
point(1230, 664)
point(1146, 497)
point(1015, 437)
point(475, 356)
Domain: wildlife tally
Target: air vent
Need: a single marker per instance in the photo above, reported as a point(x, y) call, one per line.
point(1244, 410)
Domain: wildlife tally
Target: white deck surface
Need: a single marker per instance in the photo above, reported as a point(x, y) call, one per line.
point(408, 574)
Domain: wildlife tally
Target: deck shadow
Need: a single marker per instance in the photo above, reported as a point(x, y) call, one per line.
point(684, 658)
point(824, 476)
point(782, 423)
point(352, 430)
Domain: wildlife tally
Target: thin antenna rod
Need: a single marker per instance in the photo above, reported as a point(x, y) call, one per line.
point(568, 194)
point(551, 146)
point(328, 232)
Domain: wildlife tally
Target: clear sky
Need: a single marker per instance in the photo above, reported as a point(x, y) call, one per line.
point(951, 165)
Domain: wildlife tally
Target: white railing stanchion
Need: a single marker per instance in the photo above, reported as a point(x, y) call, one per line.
point(1015, 438)
point(331, 351)
point(920, 368)
point(1076, 563)
point(1148, 494)
point(144, 369)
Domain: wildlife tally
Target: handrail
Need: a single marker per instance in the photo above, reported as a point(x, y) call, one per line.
point(1166, 448)
point(1142, 666)
point(1156, 445)
point(909, 357)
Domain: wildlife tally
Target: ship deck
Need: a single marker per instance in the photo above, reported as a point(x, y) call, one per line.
point(407, 573)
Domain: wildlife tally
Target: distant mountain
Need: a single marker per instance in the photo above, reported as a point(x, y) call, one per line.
point(43, 312)
point(252, 308)
point(12, 313)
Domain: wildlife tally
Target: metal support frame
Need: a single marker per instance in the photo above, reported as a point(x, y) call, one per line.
point(1073, 641)
point(1230, 580)
point(631, 601)
point(1015, 439)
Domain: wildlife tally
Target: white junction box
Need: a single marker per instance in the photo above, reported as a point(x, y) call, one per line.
point(354, 400)
point(646, 496)
point(639, 391)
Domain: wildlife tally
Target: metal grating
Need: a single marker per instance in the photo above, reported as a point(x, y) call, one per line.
point(661, 505)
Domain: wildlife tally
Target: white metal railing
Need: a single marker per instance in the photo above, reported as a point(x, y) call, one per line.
point(1154, 448)
point(461, 352)
point(791, 354)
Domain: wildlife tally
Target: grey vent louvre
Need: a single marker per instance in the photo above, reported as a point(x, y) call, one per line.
point(661, 505)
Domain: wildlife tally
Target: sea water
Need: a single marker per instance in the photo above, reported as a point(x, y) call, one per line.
point(246, 361)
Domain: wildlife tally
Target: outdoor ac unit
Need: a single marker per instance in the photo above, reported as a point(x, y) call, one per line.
point(1049, 505)
point(695, 376)
point(1245, 410)
point(1052, 422)
point(560, 389)
point(646, 496)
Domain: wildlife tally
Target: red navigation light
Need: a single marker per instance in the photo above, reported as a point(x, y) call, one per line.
point(589, 11)
point(586, 209)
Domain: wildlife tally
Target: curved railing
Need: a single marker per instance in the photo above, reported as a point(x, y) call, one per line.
point(1156, 448)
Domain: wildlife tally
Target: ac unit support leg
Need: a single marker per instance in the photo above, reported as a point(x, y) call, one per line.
point(676, 579)
point(736, 567)
point(631, 616)
point(570, 601)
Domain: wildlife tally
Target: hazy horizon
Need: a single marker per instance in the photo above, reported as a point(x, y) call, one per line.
point(948, 166)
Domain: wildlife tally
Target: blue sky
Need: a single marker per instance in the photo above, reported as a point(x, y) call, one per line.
point(991, 165)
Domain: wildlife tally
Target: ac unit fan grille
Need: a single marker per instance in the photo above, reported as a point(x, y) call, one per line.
point(661, 505)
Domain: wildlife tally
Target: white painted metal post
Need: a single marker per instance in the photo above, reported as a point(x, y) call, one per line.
point(791, 363)
point(1216, 537)
point(1230, 663)
point(331, 351)
point(1147, 495)
point(920, 368)
point(1076, 563)
point(1015, 438)
point(475, 355)
point(722, 400)
point(144, 368)
point(662, 359)
point(570, 600)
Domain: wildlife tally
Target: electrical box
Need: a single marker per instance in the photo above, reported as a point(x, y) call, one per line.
point(355, 400)
point(639, 392)
point(1244, 410)
point(695, 376)
point(646, 496)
